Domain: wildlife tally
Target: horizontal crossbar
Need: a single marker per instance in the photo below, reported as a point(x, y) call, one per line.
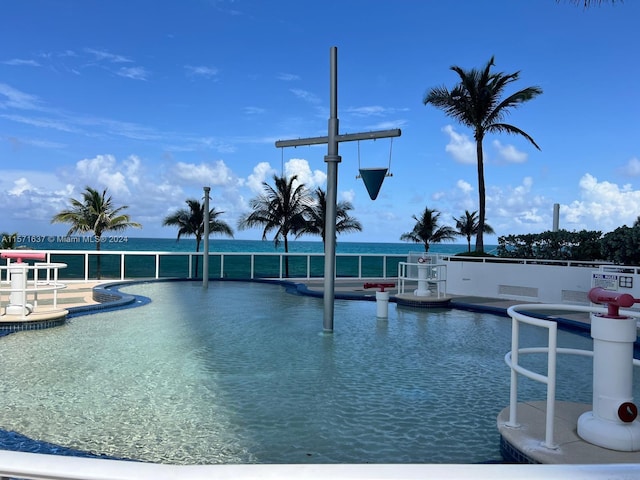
point(349, 137)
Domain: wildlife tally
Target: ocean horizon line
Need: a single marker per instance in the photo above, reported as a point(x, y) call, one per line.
point(188, 244)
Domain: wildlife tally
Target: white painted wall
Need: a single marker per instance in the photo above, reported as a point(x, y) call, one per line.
point(560, 282)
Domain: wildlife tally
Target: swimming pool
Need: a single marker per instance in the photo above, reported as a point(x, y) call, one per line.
point(241, 373)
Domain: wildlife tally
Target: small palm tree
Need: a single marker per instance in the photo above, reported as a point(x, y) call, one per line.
point(427, 231)
point(96, 213)
point(468, 225)
point(476, 103)
point(190, 221)
point(280, 208)
point(316, 213)
point(8, 241)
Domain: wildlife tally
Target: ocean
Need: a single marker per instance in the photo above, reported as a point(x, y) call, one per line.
point(134, 244)
point(227, 258)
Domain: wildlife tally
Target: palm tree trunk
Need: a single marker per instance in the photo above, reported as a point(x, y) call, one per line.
point(481, 196)
point(286, 257)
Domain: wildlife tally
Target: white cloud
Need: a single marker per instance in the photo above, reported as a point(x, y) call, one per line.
point(17, 99)
point(108, 56)
point(21, 185)
point(603, 205)
point(287, 77)
point(514, 210)
point(509, 153)
point(632, 168)
point(464, 186)
point(260, 173)
point(301, 168)
point(373, 110)
point(460, 147)
point(21, 62)
point(201, 71)
point(347, 196)
point(305, 95)
point(104, 170)
point(134, 73)
point(205, 174)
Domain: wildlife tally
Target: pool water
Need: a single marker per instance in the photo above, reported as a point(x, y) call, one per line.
point(242, 373)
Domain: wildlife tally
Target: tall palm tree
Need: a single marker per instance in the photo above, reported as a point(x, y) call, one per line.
point(467, 226)
point(96, 213)
point(427, 230)
point(280, 208)
point(476, 102)
point(315, 216)
point(190, 221)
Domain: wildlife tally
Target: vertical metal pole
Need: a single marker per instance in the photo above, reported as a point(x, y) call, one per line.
point(205, 257)
point(332, 159)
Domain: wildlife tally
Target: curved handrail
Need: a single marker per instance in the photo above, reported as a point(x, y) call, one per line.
point(518, 315)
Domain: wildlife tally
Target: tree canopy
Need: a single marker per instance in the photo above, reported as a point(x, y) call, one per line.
point(477, 102)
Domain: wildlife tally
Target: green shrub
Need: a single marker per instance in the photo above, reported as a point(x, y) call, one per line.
point(561, 245)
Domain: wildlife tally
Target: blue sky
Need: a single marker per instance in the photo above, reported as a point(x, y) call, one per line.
point(154, 100)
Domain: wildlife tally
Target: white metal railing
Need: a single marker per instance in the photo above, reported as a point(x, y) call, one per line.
point(518, 316)
point(23, 292)
point(248, 265)
point(34, 466)
point(434, 274)
point(526, 261)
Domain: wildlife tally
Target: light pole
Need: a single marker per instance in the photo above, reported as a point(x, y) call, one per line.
point(332, 159)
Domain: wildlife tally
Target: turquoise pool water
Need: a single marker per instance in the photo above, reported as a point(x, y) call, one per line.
point(241, 373)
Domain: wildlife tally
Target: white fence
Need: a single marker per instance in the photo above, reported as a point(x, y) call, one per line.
point(120, 265)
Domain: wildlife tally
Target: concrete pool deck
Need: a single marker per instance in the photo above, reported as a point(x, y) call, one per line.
point(522, 444)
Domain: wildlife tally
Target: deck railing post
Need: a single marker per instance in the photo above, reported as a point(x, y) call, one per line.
point(551, 384)
point(513, 392)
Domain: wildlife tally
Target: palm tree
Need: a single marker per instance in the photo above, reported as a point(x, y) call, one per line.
point(96, 213)
point(280, 208)
point(191, 222)
point(316, 213)
point(467, 226)
point(476, 102)
point(426, 230)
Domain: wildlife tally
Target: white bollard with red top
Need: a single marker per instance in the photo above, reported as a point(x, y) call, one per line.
point(423, 274)
point(382, 298)
point(18, 277)
point(613, 422)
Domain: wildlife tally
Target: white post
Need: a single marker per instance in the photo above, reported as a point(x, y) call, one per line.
point(18, 297)
point(423, 284)
point(612, 423)
point(556, 217)
point(382, 304)
point(205, 256)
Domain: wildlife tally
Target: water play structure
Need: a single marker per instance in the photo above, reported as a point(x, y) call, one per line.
point(24, 284)
point(613, 421)
point(571, 430)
